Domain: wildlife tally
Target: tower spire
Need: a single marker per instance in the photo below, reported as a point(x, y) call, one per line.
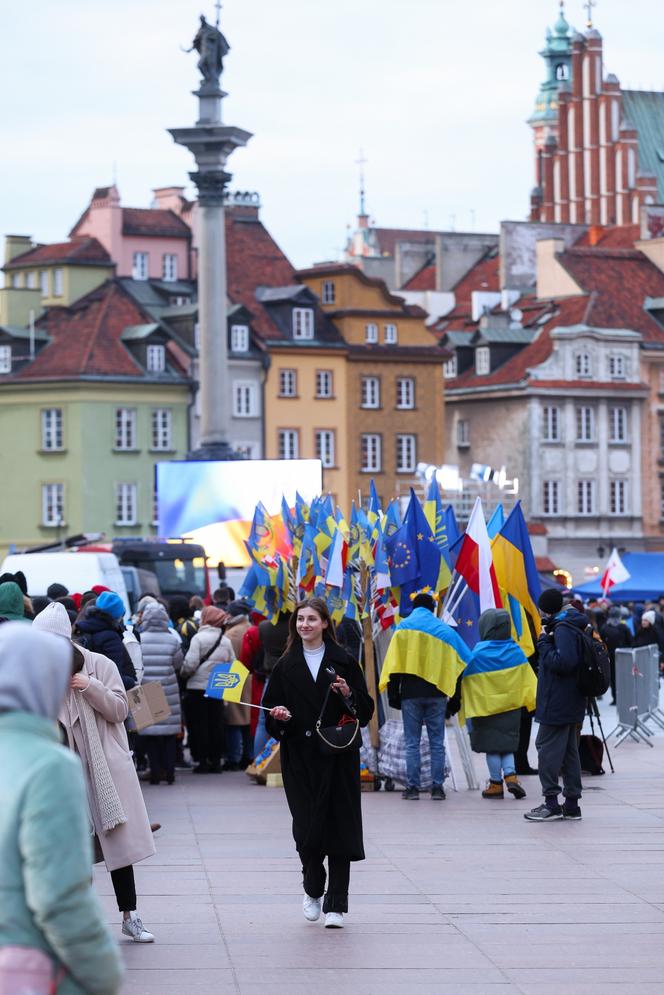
point(361, 162)
point(589, 4)
point(217, 8)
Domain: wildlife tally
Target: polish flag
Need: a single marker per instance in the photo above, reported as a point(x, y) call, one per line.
point(615, 572)
point(336, 564)
point(475, 562)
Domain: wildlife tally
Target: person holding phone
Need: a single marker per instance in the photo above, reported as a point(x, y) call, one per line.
point(323, 791)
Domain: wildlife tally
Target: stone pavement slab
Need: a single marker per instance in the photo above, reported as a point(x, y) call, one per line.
point(460, 897)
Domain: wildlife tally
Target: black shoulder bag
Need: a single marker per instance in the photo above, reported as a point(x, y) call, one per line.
point(340, 737)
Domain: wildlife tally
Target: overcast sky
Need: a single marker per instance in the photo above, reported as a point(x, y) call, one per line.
point(436, 92)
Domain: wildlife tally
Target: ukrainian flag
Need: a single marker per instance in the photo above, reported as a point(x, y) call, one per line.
point(514, 564)
point(227, 681)
point(497, 679)
point(426, 647)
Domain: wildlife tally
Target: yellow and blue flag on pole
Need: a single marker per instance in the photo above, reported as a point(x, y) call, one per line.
point(227, 681)
point(498, 679)
point(514, 564)
point(426, 647)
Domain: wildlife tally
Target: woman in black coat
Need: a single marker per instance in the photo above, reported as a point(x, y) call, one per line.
point(323, 792)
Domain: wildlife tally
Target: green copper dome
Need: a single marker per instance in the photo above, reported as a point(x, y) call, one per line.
point(557, 54)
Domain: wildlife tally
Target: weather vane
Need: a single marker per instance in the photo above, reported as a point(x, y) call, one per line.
point(589, 4)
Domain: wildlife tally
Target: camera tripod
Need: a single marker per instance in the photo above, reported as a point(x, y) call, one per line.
point(592, 711)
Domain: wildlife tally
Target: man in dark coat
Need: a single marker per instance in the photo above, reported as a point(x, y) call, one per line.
point(560, 707)
point(616, 636)
point(323, 792)
point(100, 628)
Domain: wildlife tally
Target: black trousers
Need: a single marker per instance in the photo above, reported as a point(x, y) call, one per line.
point(124, 887)
point(521, 756)
point(313, 879)
point(161, 755)
point(205, 725)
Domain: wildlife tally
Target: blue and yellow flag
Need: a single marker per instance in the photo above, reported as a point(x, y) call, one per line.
point(498, 679)
point(424, 646)
point(227, 681)
point(514, 563)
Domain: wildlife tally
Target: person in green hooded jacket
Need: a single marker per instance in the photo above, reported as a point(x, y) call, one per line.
point(47, 902)
point(12, 606)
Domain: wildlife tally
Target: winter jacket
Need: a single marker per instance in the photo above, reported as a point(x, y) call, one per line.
point(192, 668)
point(162, 659)
point(12, 605)
point(561, 651)
point(616, 636)
point(46, 895)
point(100, 633)
point(647, 635)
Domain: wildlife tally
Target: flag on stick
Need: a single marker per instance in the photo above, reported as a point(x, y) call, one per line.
point(615, 572)
point(227, 681)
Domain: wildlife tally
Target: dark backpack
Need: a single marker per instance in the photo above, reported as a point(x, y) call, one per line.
point(595, 668)
point(591, 754)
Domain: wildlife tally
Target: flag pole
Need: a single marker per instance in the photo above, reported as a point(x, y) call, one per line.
point(369, 661)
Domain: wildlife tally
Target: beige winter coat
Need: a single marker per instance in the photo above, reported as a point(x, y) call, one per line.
point(235, 714)
point(132, 841)
point(203, 641)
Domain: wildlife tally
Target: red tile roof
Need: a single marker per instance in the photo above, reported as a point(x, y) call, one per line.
point(79, 250)
point(484, 276)
point(615, 237)
point(85, 338)
point(424, 279)
point(387, 238)
point(152, 221)
point(254, 260)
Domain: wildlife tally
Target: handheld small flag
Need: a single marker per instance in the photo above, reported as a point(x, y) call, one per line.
point(227, 681)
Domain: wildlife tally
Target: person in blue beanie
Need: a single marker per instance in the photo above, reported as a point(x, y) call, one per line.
point(99, 629)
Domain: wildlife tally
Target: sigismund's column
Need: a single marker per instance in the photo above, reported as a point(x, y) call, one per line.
point(211, 143)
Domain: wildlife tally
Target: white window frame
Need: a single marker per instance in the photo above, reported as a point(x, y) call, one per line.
point(288, 443)
point(287, 382)
point(325, 447)
point(618, 496)
point(140, 266)
point(169, 267)
point(51, 429)
point(482, 361)
point(126, 501)
point(405, 393)
point(245, 399)
point(324, 384)
point(125, 429)
point(371, 333)
point(618, 424)
point(584, 366)
point(551, 423)
point(370, 388)
point(239, 338)
point(58, 282)
point(617, 366)
point(303, 323)
point(371, 446)
point(31, 280)
point(328, 292)
point(463, 433)
point(43, 282)
point(156, 358)
point(406, 453)
point(5, 358)
point(450, 368)
point(551, 493)
point(390, 334)
point(162, 429)
point(585, 423)
point(53, 505)
point(585, 497)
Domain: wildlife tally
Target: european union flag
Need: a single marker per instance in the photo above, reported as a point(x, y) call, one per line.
point(414, 556)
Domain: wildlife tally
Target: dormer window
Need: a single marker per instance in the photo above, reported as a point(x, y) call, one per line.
point(239, 338)
point(371, 333)
point(5, 359)
point(450, 368)
point(617, 367)
point(58, 282)
point(303, 323)
point(156, 359)
point(482, 361)
point(390, 334)
point(328, 294)
point(583, 365)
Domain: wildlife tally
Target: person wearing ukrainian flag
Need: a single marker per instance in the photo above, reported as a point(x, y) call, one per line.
point(496, 684)
point(422, 665)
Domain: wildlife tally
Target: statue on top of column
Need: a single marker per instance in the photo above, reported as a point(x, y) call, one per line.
point(211, 47)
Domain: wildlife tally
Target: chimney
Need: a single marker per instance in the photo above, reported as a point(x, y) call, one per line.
point(16, 245)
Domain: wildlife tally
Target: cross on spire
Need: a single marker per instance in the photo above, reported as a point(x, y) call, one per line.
point(589, 4)
point(361, 163)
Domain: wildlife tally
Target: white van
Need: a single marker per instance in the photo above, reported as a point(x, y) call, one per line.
point(77, 571)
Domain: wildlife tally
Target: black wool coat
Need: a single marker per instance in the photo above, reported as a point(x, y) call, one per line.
point(323, 792)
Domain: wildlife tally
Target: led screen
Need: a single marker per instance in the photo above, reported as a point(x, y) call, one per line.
point(213, 502)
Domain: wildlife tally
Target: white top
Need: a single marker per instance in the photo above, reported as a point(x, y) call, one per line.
point(314, 659)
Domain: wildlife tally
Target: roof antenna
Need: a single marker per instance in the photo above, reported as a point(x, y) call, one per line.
point(361, 162)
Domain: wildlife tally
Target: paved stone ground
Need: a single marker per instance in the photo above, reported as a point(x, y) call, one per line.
point(461, 897)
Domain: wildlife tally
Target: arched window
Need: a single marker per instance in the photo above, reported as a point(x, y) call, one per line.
point(562, 71)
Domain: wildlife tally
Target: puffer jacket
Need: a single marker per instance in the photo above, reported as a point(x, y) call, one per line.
point(99, 633)
point(197, 672)
point(162, 659)
point(561, 651)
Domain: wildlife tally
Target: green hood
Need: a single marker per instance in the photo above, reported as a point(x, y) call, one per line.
point(11, 602)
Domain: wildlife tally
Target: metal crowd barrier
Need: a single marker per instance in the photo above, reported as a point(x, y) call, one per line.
point(637, 694)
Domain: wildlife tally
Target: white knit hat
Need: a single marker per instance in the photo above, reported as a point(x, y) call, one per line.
point(649, 616)
point(54, 618)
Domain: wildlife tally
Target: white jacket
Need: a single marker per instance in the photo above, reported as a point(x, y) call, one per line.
point(203, 641)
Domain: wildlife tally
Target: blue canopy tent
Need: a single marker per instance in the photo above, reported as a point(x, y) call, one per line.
point(646, 582)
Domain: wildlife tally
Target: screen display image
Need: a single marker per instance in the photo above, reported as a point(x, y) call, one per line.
point(213, 503)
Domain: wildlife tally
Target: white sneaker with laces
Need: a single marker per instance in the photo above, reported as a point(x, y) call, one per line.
point(334, 920)
point(311, 907)
point(134, 928)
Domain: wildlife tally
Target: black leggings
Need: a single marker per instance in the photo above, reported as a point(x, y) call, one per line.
point(124, 887)
point(205, 717)
point(313, 879)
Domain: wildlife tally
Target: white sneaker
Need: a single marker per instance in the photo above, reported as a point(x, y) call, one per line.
point(311, 907)
point(134, 928)
point(334, 920)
